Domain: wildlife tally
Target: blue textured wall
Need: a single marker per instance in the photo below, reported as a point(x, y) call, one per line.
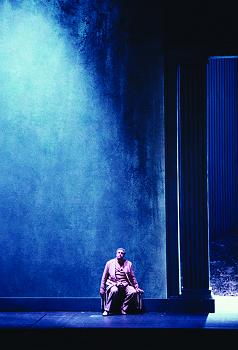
point(81, 149)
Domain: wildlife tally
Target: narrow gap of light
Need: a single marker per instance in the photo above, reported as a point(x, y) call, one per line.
point(178, 197)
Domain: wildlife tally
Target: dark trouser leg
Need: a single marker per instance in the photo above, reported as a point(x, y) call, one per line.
point(111, 296)
point(130, 298)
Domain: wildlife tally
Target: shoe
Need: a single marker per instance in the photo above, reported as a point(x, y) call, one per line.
point(105, 313)
point(123, 312)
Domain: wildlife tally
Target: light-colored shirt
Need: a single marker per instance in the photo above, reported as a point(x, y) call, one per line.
point(121, 275)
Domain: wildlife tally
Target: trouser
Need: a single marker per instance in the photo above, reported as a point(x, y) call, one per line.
point(124, 296)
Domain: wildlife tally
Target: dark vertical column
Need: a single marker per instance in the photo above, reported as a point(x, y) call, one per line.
point(193, 211)
point(171, 192)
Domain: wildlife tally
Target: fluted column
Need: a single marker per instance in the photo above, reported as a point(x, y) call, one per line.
point(172, 254)
point(193, 210)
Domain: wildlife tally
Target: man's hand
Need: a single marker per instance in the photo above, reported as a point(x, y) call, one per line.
point(139, 290)
point(102, 292)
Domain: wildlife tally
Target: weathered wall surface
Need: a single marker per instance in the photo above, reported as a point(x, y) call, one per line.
point(81, 148)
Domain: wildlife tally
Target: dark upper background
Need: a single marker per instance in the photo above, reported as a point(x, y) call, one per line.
point(211, 25)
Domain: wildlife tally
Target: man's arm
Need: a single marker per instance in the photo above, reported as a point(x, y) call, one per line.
point(134, 280)
point(104, 279)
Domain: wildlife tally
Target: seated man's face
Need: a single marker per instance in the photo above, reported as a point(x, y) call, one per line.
point(120, 254)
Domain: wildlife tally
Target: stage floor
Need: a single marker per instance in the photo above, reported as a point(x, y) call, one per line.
point(67, 330)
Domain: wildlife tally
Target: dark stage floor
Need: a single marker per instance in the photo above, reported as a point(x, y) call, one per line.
point(78, 330)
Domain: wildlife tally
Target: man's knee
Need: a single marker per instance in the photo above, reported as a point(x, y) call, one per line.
point(131, 291)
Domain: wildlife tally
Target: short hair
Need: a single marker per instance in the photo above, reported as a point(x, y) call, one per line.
point(124, 251)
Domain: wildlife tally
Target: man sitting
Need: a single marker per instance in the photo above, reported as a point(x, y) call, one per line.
point(119, 287)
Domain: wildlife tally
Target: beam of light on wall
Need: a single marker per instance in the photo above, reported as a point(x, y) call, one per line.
point(46, 105)
point(53, 170)
point(46, 101)
point(39, 81)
